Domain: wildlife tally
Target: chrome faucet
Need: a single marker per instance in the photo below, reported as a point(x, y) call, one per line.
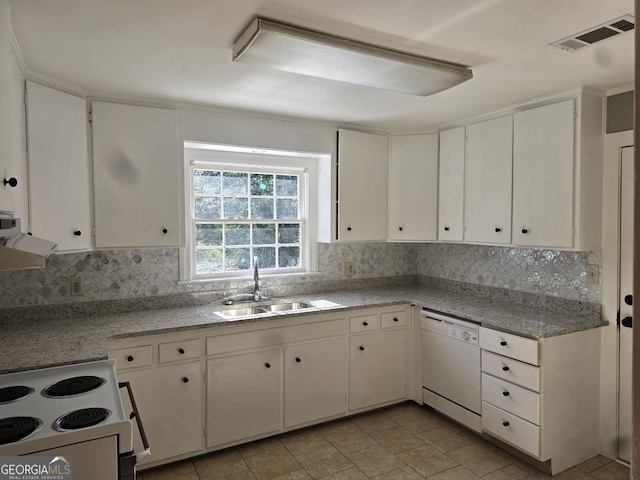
point(257, 294)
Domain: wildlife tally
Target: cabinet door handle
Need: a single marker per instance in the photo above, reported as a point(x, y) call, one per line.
point(185, 380)
point(503, 343)
point(400, 228)
point(12, 182)
point(396, 319)
point(525, 231)
point(365, 323)
point(77, 233)
point(348, 229)
point(505, 423)
point(498, 229)
point(298, 360)
point(505, 393)
point(362, 348)
point(628, 299)
point(268, 365)
point(627, 322)
point(181, 351)
point(130, 358)
point(165, 231)
point(505, 368)
point(446, 229)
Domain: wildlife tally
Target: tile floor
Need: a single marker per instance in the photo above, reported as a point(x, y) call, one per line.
point(403, 442)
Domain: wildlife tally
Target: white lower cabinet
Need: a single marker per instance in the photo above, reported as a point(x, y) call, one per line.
point(315, 384)
point(236, 385)
point(542, 396)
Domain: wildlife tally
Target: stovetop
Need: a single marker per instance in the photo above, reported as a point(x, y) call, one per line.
point(67, 404)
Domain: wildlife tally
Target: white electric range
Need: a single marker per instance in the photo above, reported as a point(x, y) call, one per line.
point(73, 411)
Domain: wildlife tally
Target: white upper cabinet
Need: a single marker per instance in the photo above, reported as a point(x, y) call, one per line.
point(451, 185)
point(362, 186)
point(59, 192)
point(487, 198)
point(413, 188)
point(557, 175)
point(136, 176)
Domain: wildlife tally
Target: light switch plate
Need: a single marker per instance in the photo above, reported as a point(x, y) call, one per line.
point(348, 269)
point(593, 274)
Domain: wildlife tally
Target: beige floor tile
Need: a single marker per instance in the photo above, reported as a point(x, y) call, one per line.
point(427, 460)
point(448, 437)
point(374, 422)
point(260, 446)
point(220, 464)
point(593, 463)
point(480, 458)
point(510, 472)
point(397, 439)
point(455, 473)
point(182, 470)
point(349, 474)
point(243, 475)
point(297, 475)
point(272, 463)
point(335, 425)
point(374, 461)
point(323, 461)
point(612, 471)
point(401, 409)
point(571, 474)
point(303, 441)
point(404, 473)
point(420, 420)
point(349, 439)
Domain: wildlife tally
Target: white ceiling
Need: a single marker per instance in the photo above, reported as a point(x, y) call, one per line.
point(179, 51)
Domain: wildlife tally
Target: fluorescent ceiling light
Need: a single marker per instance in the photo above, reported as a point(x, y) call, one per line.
point(293, 49)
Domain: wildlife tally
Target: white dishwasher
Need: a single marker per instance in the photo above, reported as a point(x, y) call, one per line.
point(451, 367)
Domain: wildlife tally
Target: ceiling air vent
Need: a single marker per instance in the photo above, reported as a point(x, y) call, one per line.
point(596, 34)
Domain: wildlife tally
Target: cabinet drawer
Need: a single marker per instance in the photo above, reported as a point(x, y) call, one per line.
point(393, 319)
point(512, 429)
point(132, 357)
point(174, 351)
point(364, 323)
point(514, 346)
point(512, 398)
point(511, 370)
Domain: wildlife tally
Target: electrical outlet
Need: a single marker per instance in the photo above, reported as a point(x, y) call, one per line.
point(76, 287)
point(593, 274)
point(348, 269)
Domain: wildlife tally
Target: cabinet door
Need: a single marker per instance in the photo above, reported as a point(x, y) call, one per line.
point(314, 381)
point(543, 186)
point(413, 188)
point(170, 403)
point(58, 167)
point(362, 186)
point(487, 194)
point(136, 176)
point(377, 368)
point(451, 185)
point(235, 385)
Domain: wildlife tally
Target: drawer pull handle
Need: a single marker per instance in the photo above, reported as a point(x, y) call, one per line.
point(77, 233)
point(505, 368)
point(130, 358)
point(503, 343)
point(505, 423)
point(505, 393)
point(396, 319)
point(446, 229)
point(498, 229)
point(365, 323)
point(298, 359)
point(400, 228)
point(181, 351)
point(165, 231)
point(268, 365)
point(362, 348)
point(525, 231)
point(185, 380)
point(348, 229)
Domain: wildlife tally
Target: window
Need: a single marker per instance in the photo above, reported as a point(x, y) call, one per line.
point(242, 206)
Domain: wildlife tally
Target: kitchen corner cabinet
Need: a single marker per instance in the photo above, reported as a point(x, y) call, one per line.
point(59, 194)
point(542, 396)
point(362, 186)
point(557, 172)
point(413, 188)
point(487, 197)
point(136, 176)
point(451, 185)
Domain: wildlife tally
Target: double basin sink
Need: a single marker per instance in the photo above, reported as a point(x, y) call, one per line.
point(261, 309)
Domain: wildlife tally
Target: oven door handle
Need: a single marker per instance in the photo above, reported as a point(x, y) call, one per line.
point(135, 414)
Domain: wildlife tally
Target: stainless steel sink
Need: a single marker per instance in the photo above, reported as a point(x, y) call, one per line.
point(261, 309)
point(241, 311)
point(284, 307)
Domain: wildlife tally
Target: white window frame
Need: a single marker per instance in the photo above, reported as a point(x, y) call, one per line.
point(202, 155)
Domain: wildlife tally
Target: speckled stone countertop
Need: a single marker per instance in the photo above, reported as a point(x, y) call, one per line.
point(35, 344)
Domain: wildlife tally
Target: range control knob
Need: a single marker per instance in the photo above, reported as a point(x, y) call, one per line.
point(466, 336)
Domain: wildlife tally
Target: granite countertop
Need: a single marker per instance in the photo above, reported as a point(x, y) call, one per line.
point(36, 344)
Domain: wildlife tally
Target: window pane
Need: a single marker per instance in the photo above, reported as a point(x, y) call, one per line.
point(207, 207)
point(237, 259)
point(287, 185)
point(262, 208)
point(289, 233)
point(234, 183)
point(261, 184)
point(237, 234)
point(208, 260)
point(206, 181)
point(235, 208)
point(287, 208)
point(209, 234)
point(266, 256)
point(288, 257)
point(264, 234)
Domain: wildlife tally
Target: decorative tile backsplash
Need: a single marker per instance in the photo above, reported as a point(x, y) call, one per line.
point(140, 273)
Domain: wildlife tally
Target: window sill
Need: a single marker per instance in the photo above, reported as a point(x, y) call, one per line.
point(279, 276)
